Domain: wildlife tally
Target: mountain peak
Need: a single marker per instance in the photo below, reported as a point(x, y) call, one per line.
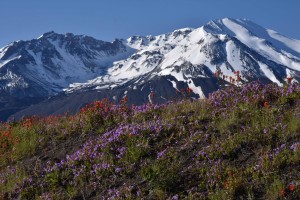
point(52, 35)
point(220, 23)
point(47, 34)
point(70, 35)
point(187, 29)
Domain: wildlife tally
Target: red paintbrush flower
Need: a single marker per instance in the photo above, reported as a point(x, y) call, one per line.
point(289, 80)
point(265, 104)
point(282, 193)
point(292, 187)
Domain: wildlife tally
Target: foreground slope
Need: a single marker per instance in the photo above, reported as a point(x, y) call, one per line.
point(240, 143)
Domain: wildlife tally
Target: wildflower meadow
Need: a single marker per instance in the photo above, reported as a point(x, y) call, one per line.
point(242, 142)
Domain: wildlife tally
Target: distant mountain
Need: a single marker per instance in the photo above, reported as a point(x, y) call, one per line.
point(31, 71)
point(53, 61)
point(87, 69)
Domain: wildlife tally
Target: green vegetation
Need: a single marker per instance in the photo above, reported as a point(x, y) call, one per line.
point(240, 143)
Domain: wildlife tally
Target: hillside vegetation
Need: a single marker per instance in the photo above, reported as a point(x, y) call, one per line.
point(240, 143)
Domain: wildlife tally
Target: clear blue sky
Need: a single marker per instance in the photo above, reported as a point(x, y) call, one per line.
point(109, 19)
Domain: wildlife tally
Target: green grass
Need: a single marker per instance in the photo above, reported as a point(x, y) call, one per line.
point(186, 149)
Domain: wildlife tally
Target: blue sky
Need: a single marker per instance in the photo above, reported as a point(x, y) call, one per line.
point(109, 19)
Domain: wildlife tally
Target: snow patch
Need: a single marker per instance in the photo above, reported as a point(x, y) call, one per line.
point(291, 43)
point(174, 84)
point(196, 89)
point(269, 74)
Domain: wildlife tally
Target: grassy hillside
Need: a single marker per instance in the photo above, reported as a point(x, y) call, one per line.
point(240, 143)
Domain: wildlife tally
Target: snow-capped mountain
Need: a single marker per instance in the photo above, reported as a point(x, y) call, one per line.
point(226, 45)
point(31, 71)
point(53, 61)
point(86, 69)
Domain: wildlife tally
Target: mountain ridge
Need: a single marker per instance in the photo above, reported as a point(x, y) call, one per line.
point(184, 58)
point(34, 70)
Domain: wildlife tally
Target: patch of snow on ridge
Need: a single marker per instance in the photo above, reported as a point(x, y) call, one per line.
point(4, 62)
point(196, 89)
point(2, 52)
point(174, 84)
point(291, 43)
point(269, 74)
point(13, 80)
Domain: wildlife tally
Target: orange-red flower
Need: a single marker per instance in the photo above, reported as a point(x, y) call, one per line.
point(217, 73)
point(124, 100)
point(152, 94)
point(289, 80)
point(27, 123)
point(265, 104)
point(227, 184)
point(282, 193)
point(292, 187)
point(189, 90)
